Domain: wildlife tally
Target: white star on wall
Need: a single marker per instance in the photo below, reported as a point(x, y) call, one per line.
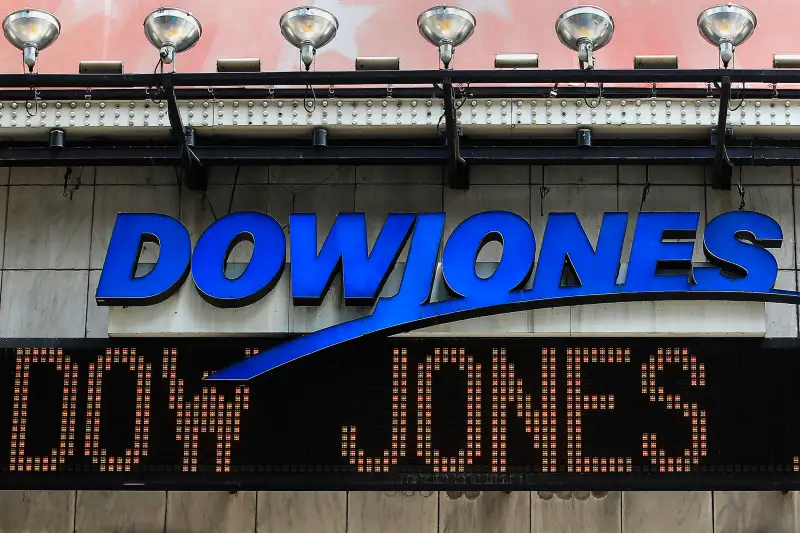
point(350, 17)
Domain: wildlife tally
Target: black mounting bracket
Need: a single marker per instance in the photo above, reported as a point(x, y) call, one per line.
point(723, 169)
point(458, 171)
point(193, 171)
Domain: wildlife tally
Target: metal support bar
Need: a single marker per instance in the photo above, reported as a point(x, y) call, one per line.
point(411, 77)
point(193, 172)
point(723, 169)
point(417, 92)
point(43, 156)
point(458, 172)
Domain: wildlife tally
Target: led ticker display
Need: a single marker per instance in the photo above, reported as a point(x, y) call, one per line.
point(502, 414)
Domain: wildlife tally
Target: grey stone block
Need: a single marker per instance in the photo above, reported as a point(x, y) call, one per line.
point(579, 175)
point(144, 175)
point(772, 200)
point(677, 174)
point(392, 512)
point(47, 230)
point(248, 175)
point(460, 205)
point(43, 303)
point(111, 200)
point(96, 316)
point(575, 516)
point(211, 512)
point(502, 175)
point(120, 512)
point(782, 318)
point(302, 512)
point(624, 318)
point(399, 175)
point(311, 175)
point(667, 512)
point(552, 322)
point(632, 174)
point(755, 512)
point(37, 511)
point(763, 175)
point(46, 175)
point(490, 512)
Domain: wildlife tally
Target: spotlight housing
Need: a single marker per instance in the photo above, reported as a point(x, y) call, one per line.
point(446, 27)
point(100, 67)
point(377, 63)
point(726, 26)
point(172, 31)
point(516, 61)
point(585, 29)
point(786, 61)
point(308, 28)
point(31, 30)
point(655, 62)
point(56, 139)
point(239, 64)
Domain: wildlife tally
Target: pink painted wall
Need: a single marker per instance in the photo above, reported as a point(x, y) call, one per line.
point(112, 30)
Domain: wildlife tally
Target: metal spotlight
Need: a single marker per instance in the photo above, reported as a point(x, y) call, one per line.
point(377, 63)
point(585, 29)
point(239, 64)
point(656, 62)
point(308, 28)
point(726, 26)
point(101, 67)
point(516, 61)
point(446, 27)
point(786, 61)
point(172, 31)
point(31, 30)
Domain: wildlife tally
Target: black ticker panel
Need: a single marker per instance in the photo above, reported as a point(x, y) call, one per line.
point(398, 413)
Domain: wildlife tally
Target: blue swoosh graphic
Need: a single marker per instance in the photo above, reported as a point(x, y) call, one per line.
point(401, 314)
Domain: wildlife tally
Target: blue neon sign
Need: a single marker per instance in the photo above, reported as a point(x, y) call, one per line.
point(570, 270)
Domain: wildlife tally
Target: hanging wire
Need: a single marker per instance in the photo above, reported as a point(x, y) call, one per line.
point(70, 191)
point(178, 177)
point(544, 190)
point(148, 91)
point(458, 104)
point(740, 189)
point(312, 104)
point(233, 189)
point(599, 96)
point(205, 199)
point(741, 103)
point(646, 188)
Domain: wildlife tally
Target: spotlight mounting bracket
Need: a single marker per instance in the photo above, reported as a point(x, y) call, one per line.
point(723, 169)
point(193, 171)
point(458, 172)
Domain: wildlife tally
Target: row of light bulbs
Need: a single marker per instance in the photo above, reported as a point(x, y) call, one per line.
point(583, 29)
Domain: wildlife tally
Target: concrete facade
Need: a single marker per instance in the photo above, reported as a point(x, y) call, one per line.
point(53, 246)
